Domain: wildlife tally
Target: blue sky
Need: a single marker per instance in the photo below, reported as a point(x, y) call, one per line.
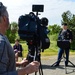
point(70, 0)
point(53, 9)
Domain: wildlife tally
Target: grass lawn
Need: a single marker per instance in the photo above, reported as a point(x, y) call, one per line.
point(52, 50)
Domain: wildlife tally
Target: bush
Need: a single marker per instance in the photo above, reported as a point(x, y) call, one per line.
point(10, 35)
point(73, 45)
point(54, 37)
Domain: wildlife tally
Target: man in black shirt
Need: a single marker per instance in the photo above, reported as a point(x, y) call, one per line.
point(65, 34)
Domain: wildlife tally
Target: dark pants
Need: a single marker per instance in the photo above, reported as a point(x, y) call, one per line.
point(61, 51)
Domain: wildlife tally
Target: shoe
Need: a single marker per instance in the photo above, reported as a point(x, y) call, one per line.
point(66, 65)
point(56, 65)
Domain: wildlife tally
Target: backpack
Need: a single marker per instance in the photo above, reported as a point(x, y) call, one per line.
point(27, 26)
point(44, 40)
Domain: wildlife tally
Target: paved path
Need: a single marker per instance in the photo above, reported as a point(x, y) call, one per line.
point(48, 70)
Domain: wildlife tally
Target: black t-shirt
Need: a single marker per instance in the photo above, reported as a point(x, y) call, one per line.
point(65, 35)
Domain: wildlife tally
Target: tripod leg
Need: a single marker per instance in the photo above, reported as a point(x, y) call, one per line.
point(41, 68)
point(70, 62)
point(56, 62)
point(65, 70)
point(35, 73)
point(65, 65)
point(39, 72)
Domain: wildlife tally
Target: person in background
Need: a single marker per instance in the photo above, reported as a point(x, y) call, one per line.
point(17, 49)
point(7, 55)
point(64, 34)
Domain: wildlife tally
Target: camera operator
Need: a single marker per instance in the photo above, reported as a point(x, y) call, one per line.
point(65, 34)
point(7, 55)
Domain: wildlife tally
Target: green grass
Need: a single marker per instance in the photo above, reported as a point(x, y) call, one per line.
point(52, 50)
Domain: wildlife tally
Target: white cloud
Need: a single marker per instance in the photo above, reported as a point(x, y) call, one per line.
point(53, 8)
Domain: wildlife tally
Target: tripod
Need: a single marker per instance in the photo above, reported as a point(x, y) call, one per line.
point(37, 57)
point(40, 69)
point(64, 58)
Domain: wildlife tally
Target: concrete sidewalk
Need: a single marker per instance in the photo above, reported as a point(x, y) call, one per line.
point(48, 70)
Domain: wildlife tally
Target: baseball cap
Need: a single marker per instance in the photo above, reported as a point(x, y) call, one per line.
point(64, 24)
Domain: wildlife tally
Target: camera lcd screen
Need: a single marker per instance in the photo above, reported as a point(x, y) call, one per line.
point(37, 8)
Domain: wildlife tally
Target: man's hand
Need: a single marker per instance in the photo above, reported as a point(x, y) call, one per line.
point(24, 62)
point(32, 67)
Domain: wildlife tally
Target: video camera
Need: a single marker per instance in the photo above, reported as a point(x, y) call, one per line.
point(34, 30)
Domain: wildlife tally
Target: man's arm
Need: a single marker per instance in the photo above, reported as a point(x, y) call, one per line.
point(32, 67)
point(27, 68)
point(23, 63)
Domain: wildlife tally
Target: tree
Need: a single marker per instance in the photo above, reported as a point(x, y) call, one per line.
point(12, 32)
point(67, 16)
point(14, 27)
point(54, 29)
